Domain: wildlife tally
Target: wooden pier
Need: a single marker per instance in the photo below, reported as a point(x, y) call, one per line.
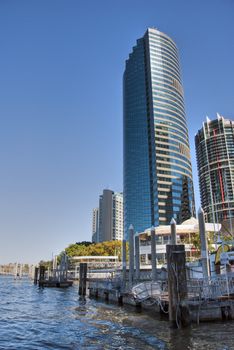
point(55, 283)
point(56, 278)
point(171, 291)
point(150, 295)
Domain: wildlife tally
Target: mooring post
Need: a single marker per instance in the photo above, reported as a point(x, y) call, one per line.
point(82, 279)
point(137, 257)
point(41, 274)
point(124, 261)
point(16, 270)
point(173, 231)
point(36, 275)
point(131, 255)
point(204, 247)
point(65, 266)
point(153, 254)
point(55, 267)
point(177, 286)
point(62, 267)
point(21, 270)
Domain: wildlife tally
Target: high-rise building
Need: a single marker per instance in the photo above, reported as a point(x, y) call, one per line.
point(215, 162)
point(95, 225)
point(158, 181)
point(110, 217)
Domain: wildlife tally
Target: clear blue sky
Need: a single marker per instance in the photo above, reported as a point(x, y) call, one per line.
point(61, 66)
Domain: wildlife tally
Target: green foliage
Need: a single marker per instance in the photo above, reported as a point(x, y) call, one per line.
point(195, 241)
point(95, 249)
point(47, 264)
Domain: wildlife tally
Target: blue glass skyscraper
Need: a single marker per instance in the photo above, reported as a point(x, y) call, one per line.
point(157, 168)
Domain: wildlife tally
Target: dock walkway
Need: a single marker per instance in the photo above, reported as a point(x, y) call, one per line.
point(208, 299)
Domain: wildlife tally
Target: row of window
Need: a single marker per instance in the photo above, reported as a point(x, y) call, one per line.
point(175, 188)
point(161, 118)
point(169, 108)
point(165, 54)
point(158, 76)
point(165, 51)
point(162, 43)
point(159, 104)
point(160, 35)
point(170, 90)
point(157, 84)
point(165, 140)
point(172, 208)
point(170, 113)
point(169, 162)
point(173, 173)
point(160, 145)
point(172, 136)
point(168, 123)
point(173, 154)
point(157, 60)
point(162, 96)
point(170, 129)
point(166, 71)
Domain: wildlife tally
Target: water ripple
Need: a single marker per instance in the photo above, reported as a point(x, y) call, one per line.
point(32, 318)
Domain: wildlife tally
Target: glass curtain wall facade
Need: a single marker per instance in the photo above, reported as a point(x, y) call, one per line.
point(157, 168)
point(215, 162)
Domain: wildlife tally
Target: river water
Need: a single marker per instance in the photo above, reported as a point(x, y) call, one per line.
point(35, 318)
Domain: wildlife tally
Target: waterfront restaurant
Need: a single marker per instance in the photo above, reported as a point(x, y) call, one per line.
point(186, 232)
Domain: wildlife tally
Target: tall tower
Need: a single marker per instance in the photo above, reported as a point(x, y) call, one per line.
point(108, 217)
point(95, 225)
point(157, 168)
point(215, 162)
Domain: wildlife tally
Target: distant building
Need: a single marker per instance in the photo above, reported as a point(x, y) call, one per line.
point(110, 217)
point(158, 182)
point(95, 225)
point(215, 162)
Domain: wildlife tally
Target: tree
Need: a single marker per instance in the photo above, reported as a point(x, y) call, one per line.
point(46, 264)
point(108, 248)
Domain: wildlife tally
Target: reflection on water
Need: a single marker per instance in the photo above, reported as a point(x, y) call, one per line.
point(34, 318)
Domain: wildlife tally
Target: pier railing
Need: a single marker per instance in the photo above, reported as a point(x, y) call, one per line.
point(145, 275)
point(220, 286)
point(213, 288)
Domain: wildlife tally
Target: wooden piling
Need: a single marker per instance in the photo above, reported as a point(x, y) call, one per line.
point(41, 273)
point(106, 294)
point(82, 279)
point(120, 300)
point(177, 286)
point(36, 270)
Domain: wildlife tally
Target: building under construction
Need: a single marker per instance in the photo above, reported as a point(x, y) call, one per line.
point(215, 162)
